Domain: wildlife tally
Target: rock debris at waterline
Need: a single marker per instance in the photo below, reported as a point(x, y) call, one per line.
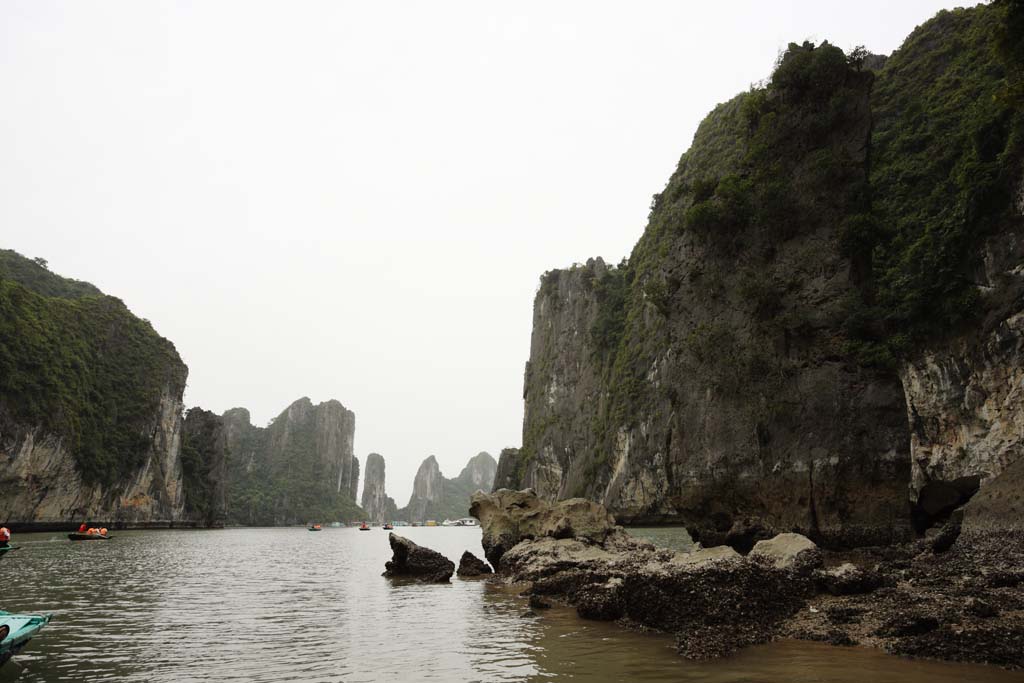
point(964, 604)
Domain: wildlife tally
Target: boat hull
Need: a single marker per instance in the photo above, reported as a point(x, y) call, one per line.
point(22, 627)
point(88, 537)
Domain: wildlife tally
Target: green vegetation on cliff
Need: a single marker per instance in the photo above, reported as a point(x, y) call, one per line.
point(740, 365)
point(947, 146)
point(84, 368)
point(204, 460)
point(35, 275)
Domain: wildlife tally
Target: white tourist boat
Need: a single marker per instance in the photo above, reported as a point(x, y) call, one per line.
point(465, 521)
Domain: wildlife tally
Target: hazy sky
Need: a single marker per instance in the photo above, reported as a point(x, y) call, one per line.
point(355, 200)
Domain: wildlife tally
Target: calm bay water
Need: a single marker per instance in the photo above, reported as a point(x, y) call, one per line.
point(292, 605)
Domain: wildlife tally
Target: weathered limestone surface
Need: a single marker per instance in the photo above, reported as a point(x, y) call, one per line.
point(416, 562)
point(41, 485)
point(509, 517)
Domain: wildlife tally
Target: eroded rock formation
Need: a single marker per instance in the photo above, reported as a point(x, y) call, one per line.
point(416, 562)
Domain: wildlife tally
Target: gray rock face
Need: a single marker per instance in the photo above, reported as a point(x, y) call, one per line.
point(965, 404)
point(42, 486)
point(416, 562)
point(479, 472)
point(379, 507)
point(815, 445)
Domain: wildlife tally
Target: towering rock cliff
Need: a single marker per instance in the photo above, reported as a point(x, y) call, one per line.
point(837, 251)
point(90, 407)
point(299, 468)
point(379, 506)
point(435, 497)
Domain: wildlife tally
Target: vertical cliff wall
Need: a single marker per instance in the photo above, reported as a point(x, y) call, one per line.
point(379, 506)
point(751, 367)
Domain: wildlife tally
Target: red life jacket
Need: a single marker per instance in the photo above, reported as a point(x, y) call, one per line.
point(5, 533)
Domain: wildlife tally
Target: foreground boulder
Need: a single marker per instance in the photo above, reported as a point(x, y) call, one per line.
point(509, 517)
point(788, 551)
point(416, 562)
point(471, 565)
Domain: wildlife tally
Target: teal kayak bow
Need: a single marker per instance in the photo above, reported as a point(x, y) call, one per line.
point(16, 630)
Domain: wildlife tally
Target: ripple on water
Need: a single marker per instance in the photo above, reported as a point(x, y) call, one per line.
point(288, 605)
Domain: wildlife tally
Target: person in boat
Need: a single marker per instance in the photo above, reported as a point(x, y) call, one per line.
point(103, 531)
point(5, 537)
point(82, 528)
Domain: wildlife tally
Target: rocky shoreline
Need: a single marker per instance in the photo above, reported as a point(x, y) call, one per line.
point(954, 600)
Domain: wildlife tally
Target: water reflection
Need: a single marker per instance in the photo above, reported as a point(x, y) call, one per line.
point(289, 605)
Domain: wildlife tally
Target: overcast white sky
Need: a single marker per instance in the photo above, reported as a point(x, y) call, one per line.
point(354, 200)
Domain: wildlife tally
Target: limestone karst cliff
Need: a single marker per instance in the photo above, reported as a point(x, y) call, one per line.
point(821, 320)
point(379, 506)
point(438, 498)
point(299, 468)
point(90, 407)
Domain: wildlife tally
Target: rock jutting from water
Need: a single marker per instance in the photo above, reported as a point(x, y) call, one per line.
point(965, 604)
point(471, 565)
point(416, 562)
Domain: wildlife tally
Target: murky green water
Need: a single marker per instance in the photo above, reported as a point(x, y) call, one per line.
point(291, 605)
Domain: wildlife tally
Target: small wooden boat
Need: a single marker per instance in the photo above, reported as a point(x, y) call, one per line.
point(387, 527)
point(315, 527)
point(16, 630)
point(76, 536)
point(364, 527)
